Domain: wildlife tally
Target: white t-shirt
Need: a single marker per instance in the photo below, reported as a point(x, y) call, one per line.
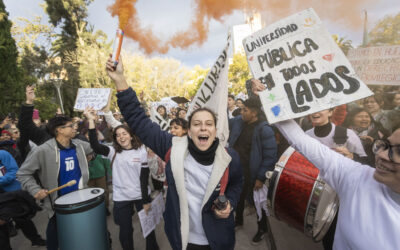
point(369, 214)
point(353, 143)
point(126, 173)
point(196, 179)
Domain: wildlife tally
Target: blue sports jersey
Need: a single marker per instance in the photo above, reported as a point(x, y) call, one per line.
point(69, 170)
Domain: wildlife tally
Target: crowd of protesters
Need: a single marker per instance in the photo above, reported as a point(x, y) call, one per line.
point(101, 146)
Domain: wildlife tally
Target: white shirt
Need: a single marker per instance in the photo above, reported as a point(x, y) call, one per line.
point(126, 173)
point(230, 113)
point(196, 179)
point(353, 143)
point(369, 214)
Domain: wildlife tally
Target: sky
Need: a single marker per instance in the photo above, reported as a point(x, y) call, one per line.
point(166, 17)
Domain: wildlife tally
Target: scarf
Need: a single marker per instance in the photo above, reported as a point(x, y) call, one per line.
point(203, 157)
point(324, 130)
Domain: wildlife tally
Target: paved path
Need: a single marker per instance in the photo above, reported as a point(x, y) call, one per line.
point(285, 236)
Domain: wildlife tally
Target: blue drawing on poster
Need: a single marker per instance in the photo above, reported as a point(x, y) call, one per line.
point(276, 110)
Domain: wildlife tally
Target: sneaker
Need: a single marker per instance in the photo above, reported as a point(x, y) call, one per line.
point(39, 242)
point(258, 237)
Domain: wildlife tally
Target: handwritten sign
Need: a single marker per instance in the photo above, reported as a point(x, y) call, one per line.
point(96, 98)
point(377, 65)
point(302, 68)
point(149, 221)
point(213, 93)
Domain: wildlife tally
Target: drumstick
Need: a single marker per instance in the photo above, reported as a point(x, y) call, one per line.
point(68, 184)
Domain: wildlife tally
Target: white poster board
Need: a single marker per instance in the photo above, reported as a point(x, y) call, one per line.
point(149, 221)
point(377, 65)
point(302, 67)
point(213, 93)
point(92, 97)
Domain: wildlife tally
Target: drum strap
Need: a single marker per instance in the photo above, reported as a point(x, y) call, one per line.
point(224, 181)
point(112, 161)
point(340, 136)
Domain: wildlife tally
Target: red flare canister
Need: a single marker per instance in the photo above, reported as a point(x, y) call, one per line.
point(117, 47)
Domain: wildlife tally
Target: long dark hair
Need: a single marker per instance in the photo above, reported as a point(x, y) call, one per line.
point(165, 115)
point(136, 143)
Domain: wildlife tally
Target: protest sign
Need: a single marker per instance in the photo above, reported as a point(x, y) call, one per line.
point(157, 118)
point(377, 65)
point(302, 68)
point(149, 221)
point(213, 93)
point(96, 98)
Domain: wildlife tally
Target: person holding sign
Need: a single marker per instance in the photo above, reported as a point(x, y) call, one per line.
point(369, 214)
point(204, 179)
point(130, 175)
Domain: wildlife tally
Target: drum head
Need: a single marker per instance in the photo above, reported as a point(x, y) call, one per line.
point(79, 197)
point(326, 210)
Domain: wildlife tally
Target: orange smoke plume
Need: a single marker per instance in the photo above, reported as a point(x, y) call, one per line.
point(341, 11)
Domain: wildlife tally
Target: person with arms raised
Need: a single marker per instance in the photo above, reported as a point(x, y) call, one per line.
point(200, 173)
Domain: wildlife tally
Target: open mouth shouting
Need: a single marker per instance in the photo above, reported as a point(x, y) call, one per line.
point(203, 139)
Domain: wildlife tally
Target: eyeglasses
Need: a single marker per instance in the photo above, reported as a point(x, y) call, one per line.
point(394, 150)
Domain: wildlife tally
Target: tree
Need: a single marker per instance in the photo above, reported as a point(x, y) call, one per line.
point(344, 45)
point(70, 16)
point(238, 74)
point(11, 76)
point(386, 31)
point(34, 43)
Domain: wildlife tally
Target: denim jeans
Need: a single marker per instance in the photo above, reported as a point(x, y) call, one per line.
point(123, 212)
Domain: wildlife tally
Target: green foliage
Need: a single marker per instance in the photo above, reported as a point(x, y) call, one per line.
point(46, 101)
point(70, 16)
point(239, 72)
point(11, 76)
point(196, 77)
point(386, 31)
point(344, 45)
point(161, 77)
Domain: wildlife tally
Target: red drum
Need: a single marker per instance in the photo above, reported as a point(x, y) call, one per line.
point(299, 197)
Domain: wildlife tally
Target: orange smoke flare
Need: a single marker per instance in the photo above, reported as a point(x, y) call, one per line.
point(340, 11)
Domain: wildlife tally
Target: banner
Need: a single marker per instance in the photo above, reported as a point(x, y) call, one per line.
point(302, 68)
point(157, 118)
point(96, 98)
point(377, 65)
point(213, 93)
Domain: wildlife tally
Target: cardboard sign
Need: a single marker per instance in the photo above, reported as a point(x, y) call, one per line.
point(302, 68)
point(96, 98)
point(377, 65)
point(213, 93)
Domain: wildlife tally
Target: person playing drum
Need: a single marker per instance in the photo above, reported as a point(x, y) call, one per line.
point(369, 215)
